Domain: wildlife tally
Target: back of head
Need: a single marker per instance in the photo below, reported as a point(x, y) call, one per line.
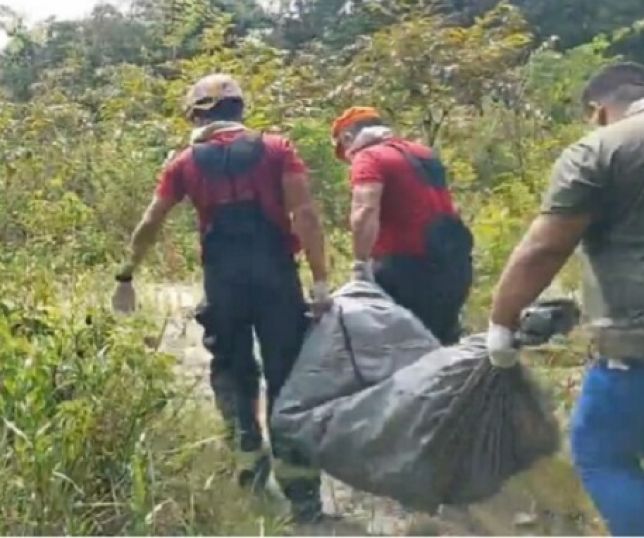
point(355, 116)
point(216, 97)
point(617, 85)
point(348, 125)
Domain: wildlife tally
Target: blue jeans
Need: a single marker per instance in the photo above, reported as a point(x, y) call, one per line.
point(607, 442)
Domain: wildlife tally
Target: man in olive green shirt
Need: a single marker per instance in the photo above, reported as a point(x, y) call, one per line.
point(596, 199)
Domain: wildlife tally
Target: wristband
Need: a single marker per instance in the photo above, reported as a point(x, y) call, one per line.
point(123, 278)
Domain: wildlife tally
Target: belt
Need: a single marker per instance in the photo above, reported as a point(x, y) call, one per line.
point(620, 344)
point(618, 364)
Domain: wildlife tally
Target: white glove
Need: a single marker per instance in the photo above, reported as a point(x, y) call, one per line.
point(320, 299)
point(124, 298)
point(363, 270)
point(501, 346)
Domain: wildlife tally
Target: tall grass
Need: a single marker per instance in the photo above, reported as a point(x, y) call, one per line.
point(98, 437)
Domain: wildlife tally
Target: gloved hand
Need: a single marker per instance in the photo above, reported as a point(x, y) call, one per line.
point(501, 346)
point(320, 299)
point(363, 270)
point(124, 298)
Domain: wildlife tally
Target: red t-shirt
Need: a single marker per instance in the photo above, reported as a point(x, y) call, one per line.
point(182, 178)
point(408, 205)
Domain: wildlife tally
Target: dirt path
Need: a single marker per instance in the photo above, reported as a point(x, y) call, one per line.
point(519, 510)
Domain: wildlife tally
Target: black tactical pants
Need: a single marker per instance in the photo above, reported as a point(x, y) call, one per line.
point(255, 291)
point(433, 294)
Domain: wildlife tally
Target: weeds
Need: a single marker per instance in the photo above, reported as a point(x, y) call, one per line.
point(98, 437)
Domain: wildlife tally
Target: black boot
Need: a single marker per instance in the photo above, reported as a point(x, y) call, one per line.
point(254, 462)
point(255, 478)
point(305, 499)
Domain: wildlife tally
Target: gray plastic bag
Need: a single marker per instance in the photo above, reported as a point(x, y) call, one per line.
point(363, 340)
point(365, 404)
point(448, 429)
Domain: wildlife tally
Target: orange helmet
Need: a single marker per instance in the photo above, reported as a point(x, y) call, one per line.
point(209, 91)
point(348, 118)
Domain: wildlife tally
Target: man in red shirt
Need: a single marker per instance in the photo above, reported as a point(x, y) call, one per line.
point(251, 193)
point(407, 234)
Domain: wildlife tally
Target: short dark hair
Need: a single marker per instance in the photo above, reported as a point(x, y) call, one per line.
point(229, 109)
point(616, 83)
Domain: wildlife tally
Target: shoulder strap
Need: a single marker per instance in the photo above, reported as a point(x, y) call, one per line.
point(229, 160)
point(429, 169)
point(245, 153)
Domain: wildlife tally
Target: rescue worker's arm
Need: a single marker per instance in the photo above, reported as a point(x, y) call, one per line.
point(146, 232)
point(365, 218)
point(575, 200)
point(169, 192)
point(124, 296)
point(534, 263)
point(306, 221)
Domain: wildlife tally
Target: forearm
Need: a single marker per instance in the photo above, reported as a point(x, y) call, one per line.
point(146, 233)
point(528, 273)
point(143, 238)
point(308, 228)
point(364, 227)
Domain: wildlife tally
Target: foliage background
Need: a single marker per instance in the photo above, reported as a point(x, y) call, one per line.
point(89, 110)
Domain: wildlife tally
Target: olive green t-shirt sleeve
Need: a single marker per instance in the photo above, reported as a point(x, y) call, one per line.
point(578, 180)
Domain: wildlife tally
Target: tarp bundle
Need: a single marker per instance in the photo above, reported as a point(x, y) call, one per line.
point(449, 429)
point(363, 340)
point(424, 428)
